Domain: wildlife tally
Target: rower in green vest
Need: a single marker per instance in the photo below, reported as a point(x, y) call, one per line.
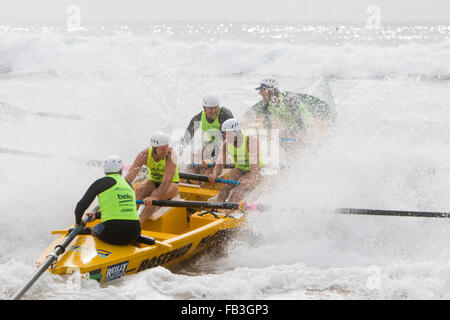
point(296, 114)
point(247, 159)
point(162, 182)
point(209, 121)
point(117, 204)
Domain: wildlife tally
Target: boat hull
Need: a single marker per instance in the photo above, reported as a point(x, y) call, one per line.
point(179, 234)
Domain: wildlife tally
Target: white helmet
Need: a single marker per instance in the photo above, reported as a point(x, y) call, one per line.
point(211, 101)
point(268, 83)
point(112, 164)
point(159, 139)
point(231, 125)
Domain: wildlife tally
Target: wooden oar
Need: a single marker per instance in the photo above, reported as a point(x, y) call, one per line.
point(199, 177)
point(59, 249)
point(241, 206)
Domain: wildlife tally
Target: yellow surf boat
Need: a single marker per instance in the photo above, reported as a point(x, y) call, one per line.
point(177, 235)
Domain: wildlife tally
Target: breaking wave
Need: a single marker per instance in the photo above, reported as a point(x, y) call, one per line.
point(140, 56)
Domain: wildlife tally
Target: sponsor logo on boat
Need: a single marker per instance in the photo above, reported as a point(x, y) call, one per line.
point(164, 258)
point(116, 271)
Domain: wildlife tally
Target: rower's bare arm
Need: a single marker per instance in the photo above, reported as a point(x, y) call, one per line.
point(140, 160)
point(253, 147)
point(220, 161)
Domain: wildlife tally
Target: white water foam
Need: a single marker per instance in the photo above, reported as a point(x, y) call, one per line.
point(126, 55)
point(389, 150)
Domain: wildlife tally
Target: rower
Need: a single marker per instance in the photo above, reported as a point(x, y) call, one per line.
point(295, 113)
point(245, 151)
point(162, 182)
point(209, 121)
point(117, 203)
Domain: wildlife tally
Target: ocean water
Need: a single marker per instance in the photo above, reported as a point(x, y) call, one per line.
point(105, 88)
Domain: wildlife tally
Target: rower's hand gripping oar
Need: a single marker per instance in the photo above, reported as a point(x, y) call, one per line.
point(199, 177)
point(242, 206)
point(51, 259)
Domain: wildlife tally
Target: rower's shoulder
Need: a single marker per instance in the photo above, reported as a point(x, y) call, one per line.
point(143, 155)
point(173, 156)
point(144, 151)
point(225, 114)
point(225, 110)
point(102, 184)
point(196, 117)
point(288, 95)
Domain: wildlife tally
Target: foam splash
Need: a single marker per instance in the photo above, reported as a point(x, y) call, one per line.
point(59, 56)
point(389, 150)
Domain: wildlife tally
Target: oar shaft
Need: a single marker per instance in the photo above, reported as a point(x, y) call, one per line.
point(199, 177)
point(59, 249)
point(194, 204)
point(33, 279)
point(211, 165)
point(378, 212)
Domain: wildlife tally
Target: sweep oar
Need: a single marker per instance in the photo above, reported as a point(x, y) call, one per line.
point(378, 212)
point(367, 212)
point(241, 206)
point(394, 213)
point(59, 249)
point(199, 177)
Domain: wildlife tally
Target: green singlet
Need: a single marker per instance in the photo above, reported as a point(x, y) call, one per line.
point(156, 169)
point(119, 201)
point(241, 155)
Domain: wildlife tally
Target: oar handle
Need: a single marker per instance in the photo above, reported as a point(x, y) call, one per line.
point(200, 177)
